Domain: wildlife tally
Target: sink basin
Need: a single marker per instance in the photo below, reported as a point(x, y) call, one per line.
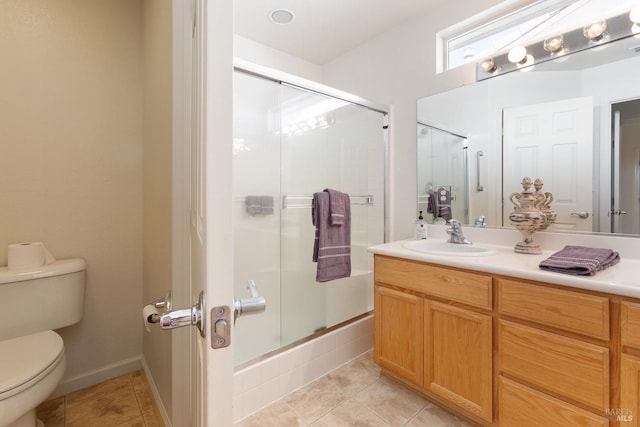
point(444, 248)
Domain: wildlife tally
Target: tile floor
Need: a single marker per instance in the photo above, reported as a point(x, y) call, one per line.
point(355, 395)
point(125, 401)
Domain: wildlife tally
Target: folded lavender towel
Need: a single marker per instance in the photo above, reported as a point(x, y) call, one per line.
point(338, 202)
point(266, 205)
point(332, 244)
point(580, 260)
point(252, 204)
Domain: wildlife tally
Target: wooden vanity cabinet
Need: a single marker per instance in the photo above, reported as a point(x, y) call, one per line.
point(447, 313)
point(540, 355)
point(629, 410)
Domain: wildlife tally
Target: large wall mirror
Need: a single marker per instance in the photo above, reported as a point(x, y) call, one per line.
point(574, 124)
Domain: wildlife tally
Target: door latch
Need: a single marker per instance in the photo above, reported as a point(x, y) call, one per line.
point(221, 315)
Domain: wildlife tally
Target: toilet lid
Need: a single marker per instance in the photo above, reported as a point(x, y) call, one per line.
point(24, 360)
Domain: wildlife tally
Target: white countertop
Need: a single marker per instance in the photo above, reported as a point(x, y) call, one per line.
point(621, 279)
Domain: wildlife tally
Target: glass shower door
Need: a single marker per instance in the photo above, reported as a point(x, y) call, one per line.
point(288, 144)
point(256, 193)
point(327, 143)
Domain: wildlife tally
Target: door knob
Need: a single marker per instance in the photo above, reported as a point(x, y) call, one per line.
point(581, 214)
point(186, 317)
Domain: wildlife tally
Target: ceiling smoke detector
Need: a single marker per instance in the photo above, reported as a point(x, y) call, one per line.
point(281, 16)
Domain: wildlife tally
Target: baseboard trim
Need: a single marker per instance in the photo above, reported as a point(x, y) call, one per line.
point(90, 378)
point(156, 394)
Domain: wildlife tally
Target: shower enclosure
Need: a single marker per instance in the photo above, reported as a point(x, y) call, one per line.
point(442, 165)
point(291, 140)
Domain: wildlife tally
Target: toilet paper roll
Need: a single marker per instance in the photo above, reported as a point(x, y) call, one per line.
point(148, 312)
point(28, 255)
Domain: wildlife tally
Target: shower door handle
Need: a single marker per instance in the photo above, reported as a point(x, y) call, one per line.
point(479, 154)
point(255, 304)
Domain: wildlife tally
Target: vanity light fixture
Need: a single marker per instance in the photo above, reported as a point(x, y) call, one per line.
point(281, 16)
point(595, 35)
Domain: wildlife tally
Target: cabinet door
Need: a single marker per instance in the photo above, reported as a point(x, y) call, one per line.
point(629, 410)
point(398, 333)
point(458, 363)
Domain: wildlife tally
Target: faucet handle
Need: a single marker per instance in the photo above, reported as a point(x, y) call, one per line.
point(454, 223)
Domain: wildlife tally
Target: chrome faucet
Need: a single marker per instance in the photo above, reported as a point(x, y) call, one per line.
point(480, 222)
point(455, 233)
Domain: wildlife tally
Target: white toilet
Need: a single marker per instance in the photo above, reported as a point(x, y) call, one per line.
point(32, 361)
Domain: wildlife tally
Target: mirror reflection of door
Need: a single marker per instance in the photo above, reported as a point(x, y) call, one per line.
point(445, 155)
point(552, 141)
point(625, 168)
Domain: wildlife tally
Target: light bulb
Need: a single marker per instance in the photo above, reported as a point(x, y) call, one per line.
point(554, 44)
point(517, 54)
point(634, 15)
point(489, 65)
point(595, 31)
point(526, 64)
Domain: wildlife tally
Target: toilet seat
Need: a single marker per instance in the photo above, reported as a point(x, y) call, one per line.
point(24, 361)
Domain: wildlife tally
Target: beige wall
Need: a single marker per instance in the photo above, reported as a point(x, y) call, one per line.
point(71, 160)
point(157, 86)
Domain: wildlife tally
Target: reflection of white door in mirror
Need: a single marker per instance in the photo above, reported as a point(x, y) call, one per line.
point(552, 141)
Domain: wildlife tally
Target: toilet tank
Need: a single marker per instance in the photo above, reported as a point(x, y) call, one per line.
point(42, 298)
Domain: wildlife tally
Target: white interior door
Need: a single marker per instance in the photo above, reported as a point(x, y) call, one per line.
point(203, 64)
point(199, 218)
point(215, 30)
point(552, 141)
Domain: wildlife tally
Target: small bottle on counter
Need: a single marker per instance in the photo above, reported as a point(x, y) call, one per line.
point(421, 228)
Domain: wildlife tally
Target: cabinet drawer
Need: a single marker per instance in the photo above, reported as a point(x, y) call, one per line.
point(567, 310)
point(630, 324)
point(467, 288)
point(571, 368)
point(521, 406)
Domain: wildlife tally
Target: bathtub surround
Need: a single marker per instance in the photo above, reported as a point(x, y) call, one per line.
point(264, 382)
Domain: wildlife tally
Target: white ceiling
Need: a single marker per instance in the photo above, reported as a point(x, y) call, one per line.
point(323, 30)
